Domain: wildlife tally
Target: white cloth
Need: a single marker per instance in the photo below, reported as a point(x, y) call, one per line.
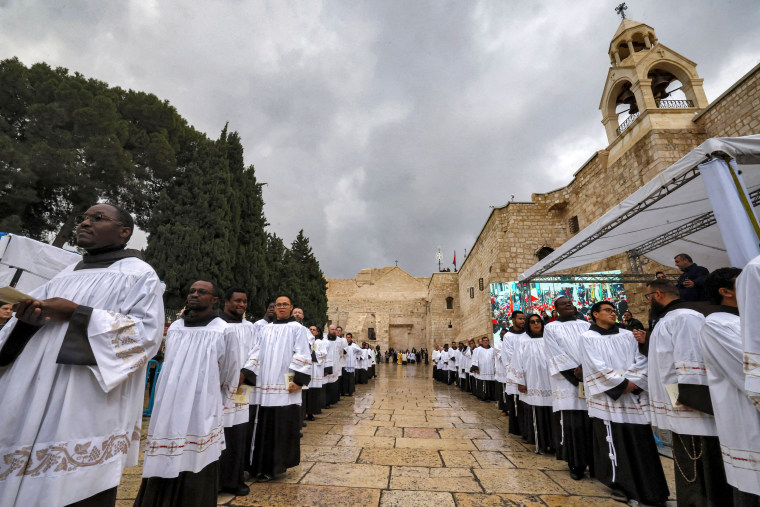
point(453, 360)
point(747, 295)
point(529, 368)
point(675, 358)
point(331, 360)
point(563, 350)
point(464, 362)
point(736, 415)
point(607, 361)
point(282, 348)
point(435, 356)
point(343, 343)
point(507, 349)
point(500, 373)
point(443, 359)
point(201, 369)
point(237, 413)
point(356, 357)
point(483, 360)
point(318, 367)
point(84, 420)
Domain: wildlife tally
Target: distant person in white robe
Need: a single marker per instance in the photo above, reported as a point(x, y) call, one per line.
point(463, 366)
point(356, 366)
point(342, 343)
point(500, 372)
point(73, 371)
point(677, 370)
point(434, 356)
point(615, 380)
point(280, 365)
point(201, 370)
point(315, 399)
point(508, 343)
point(332, 366)
point(482, 366)
point(255, 397)
point(736, 414)
point(233, 460)
point(748, 295)
point(562, 339)
point(298, 316)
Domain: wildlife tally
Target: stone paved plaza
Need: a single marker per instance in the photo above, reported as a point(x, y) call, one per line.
point(405, 440)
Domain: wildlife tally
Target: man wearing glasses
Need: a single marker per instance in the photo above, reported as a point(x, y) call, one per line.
point(74, 358)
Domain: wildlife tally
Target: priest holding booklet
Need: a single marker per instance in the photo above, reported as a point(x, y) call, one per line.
point(73, 371)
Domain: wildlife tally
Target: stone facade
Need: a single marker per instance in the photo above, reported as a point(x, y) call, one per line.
point(513, 235)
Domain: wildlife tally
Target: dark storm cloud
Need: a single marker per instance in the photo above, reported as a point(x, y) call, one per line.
point(384, 129)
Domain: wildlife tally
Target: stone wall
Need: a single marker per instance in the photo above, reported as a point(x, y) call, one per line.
point(736, 112)
point(442, 323)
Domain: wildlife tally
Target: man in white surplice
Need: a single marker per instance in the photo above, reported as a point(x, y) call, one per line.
point(736, 414)
point(73, 371)
point(279, 366)
point(186, 432)
point(748, 294)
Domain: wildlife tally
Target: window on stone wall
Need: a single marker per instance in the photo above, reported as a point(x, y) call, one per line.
point(371, 333)
point(472, 292)
point(449, 303)
point(480, 283)
point(543, 252)
point(573, 224)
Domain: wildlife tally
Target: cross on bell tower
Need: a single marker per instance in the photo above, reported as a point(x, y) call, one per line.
point(620, 9)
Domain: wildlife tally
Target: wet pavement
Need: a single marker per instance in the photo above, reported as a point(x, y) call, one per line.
point(406, 440)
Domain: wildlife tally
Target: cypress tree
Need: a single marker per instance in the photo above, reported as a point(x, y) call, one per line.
point(305, 281)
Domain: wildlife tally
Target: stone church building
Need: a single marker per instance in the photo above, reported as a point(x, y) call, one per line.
point(648, 129)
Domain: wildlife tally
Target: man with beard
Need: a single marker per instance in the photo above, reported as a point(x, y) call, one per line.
point(233, 460)
point(355, 369)
point(615, 377)
point(680, 398)
point(508, 343)
point(186, 432)
point(279, 365)
point(73, 371)
point(736, 416)
point(562, 339)
point(483, 365)
point(332, 363)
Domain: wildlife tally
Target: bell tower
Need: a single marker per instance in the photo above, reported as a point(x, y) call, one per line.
point(649, 86)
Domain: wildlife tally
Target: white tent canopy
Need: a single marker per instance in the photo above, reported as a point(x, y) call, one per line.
point(665, 217)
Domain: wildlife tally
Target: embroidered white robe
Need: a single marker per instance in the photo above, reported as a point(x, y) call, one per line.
point(563, 350)
point(507, 349)
point(483, 359)
point(237, 413)
point(748, 295)
point(529, 368)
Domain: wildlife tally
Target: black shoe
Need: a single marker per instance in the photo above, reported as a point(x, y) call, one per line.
point(310, 418)
point(264, 478)
point(303, 425)
point(240, 490)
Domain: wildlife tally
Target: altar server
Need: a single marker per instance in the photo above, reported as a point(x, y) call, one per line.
point(615, 380)
point(279, 366)
point(72, 382)
point(315, 397)
point(563, 349)
point(736, 415)
point(332, 365)
point(454, 359)
point(680, 398)
point(748, 294)
point(186, 433)
point(356, 367)
point(508, 343)
point(500, 372)
point(482, 366)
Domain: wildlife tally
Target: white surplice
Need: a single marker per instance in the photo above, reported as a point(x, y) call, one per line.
point(356, 357)
point(507, 349)
point(483, 360)
point(331, 360)
point(736, 415)
point(318, 366)
point(282, 348)
point(675, 358)
point(748, 295)
point(500, 373)
point(464, 362)
point(201, 368)
point(237, 413)
point(607, 361)
point(67, 431)
point(529, 368)
point(453, 360)
point(563, 350)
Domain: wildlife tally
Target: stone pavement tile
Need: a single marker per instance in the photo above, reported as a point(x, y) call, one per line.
point(451, 444)
point(287, 495)
point(405, 420)
point(496, 500)
point(442, 422)
point(329, 454)
point(353, 475)
point(410, 412)
point(458, 459)
point(537, 461)
point(491, 459)
point(389, 432)
point(670, 474)
point(367, 442)
point(500, 445)
point(125, 503)
point(578, 501)
point(295, 474)
point(346, 421)
point(412, 457)
point(366, 431)
point(585, 487)
point(496, 433)
point(462, 433)
point(381, 417)
point(401, 498)
point(421, 433)
point(129, 486)
point(318, 427)
point(473, 417)
point(433, 479)
point(224, 498)
point(135, 470)
point(319, 439)
point(530, 482)
point(487, 427)
point(379, 411)
point(376, 423)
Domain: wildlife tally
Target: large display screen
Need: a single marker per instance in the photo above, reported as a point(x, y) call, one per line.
point(539, 297)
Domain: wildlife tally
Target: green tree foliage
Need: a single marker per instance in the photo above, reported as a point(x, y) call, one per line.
point(67, 142)
point(305, 281)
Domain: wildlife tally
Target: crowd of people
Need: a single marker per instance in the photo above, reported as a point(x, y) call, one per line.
point(589, 391)
point(231, 398)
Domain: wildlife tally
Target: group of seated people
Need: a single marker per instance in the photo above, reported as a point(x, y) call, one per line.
point(590, 392)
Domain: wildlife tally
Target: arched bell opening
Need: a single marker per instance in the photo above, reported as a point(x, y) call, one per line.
point(668, 90)
point(639, 42)
point(626, 107)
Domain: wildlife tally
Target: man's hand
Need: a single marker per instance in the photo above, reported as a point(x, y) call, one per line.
point(58, 309)
point(688, 283)
point(293, 387)
point(578, 372)
point(522, 388)
point(640, 335)
point(242, 380)
point(30, 312)
point(630, 387)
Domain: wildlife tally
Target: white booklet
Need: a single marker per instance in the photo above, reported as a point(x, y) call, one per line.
point(672, 390)
point(242, 395)
point(12, 295)
point(289, 378)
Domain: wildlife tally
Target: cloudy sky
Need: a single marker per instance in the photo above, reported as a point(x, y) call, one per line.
point(383, 128)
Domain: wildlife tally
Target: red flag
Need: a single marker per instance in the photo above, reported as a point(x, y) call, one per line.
point(455, 258)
